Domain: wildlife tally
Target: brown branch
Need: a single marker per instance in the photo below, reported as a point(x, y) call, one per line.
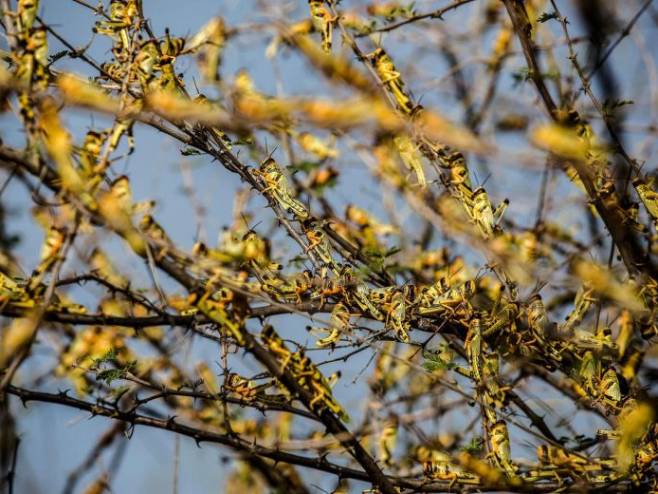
point(277, 478)
point(534, 418)
point(436, 14)
point(165, 318)
point(10, 26)
point(624, 32)
point(253, 449)
point(270, 404)
point(569, 388)
point(198, 435)
point(104, 442)
point(25, 350)
point(332, 423)
point(609, 208)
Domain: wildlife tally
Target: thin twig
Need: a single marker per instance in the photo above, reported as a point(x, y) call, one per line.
point(436, 14)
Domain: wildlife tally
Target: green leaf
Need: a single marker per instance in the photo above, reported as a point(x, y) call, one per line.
point(109, 356)
point(109, 375)
point(298, 261)
point(431, 366)
point(189, 151)
point(609, 106)
point(304, 166)
point(56, 56)
point(546, 16)
point(474, 447)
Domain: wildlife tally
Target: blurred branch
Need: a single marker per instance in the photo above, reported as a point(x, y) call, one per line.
point(633, 255)
point(436, 14)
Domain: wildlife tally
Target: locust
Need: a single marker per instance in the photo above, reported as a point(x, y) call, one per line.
point(648, 196)
point(610, 390)
point(438, 465)
point(473, 346)
point(328, 287)
point(112, 70)
point(168, 79)
point(558, 458)
point(246, 389)
point(213, 305)
point(631, 364)
point(588, 371)
point(451, 301)
point(299, 285)
point(481, 211)
point(316, 146)
point(172, 46)
point(26, 12)
point(503, 318)
point(322, 22)
point(14, 294)
point(363, 219)
point(359, 294)
point(494, 392)
point(582, 303)
point(391, 79)
point(271, 284)
point(396, 317)
point(361, 298)
point(90, 152)
point(318, 242)
point(538, 320)
point(387, 441)
point(146, 63)
point(339, 324)
point(153, 230)
point(121, 16)
point(276, 185)
point(36, 47)
point(310, 377)
point(50, 251)
point(382, 296)
point(411, 157)
point(276, 345)
point(500, 448)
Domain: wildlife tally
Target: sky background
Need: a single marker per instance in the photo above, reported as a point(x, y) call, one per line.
point(56, 439)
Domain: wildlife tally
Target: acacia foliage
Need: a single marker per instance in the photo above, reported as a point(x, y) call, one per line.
point(505, 350)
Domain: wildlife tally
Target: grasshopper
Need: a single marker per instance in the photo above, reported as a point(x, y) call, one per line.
point(451, 300)
point(213, 305)
point(396, 316)
point(318, 242)
point(26, 12)
point(473, 346)
point(582, 304)
point(500, 448)
point(322, 22)
point(245, 388)
point(339, 323)
point(391, 79)
point(648, 196)
point(439, 466)
point(387, 441)
point(538, 320)
point(276, 345)
point(277, 186)
point(411, 157)
point(121, 16)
